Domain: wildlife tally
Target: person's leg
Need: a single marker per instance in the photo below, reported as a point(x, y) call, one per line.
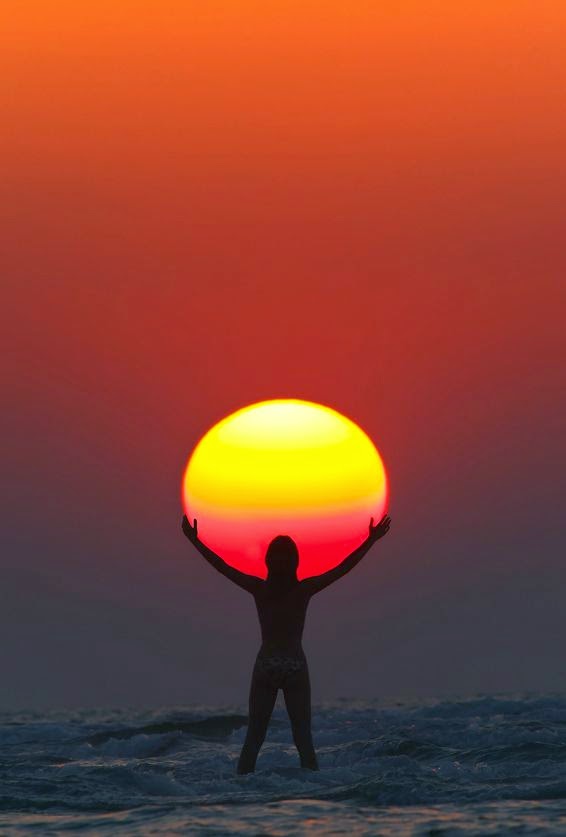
point(262, 700)
point(297, 694)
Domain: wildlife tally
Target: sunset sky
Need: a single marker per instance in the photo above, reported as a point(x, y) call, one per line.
point(208, 204)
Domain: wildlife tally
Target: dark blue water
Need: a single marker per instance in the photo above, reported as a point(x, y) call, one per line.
point(490, 765)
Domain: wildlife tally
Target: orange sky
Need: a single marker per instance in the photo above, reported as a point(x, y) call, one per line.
point(206, 204)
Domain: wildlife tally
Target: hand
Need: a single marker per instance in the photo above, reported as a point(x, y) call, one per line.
point(190, 531)
point(382, 528)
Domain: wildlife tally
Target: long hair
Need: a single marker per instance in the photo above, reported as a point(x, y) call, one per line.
point(282, 561)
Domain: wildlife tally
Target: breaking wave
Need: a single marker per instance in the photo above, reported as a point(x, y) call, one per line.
point(498, 756)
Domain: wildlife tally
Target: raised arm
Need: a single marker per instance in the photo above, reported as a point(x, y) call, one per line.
point(319, 582)
point(247, 582)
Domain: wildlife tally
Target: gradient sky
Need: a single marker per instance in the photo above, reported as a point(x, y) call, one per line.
point(207, 204)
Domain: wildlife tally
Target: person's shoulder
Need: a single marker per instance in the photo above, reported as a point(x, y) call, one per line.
point(306, 585)
point(258, 586)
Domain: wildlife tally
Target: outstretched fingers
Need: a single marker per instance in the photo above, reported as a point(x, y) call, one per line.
point(189, 531)
point(382, 527)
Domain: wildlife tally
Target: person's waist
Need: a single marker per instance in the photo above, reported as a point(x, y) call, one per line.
point(271, 649)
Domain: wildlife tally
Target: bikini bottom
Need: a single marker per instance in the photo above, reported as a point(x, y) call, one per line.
point(279, 669)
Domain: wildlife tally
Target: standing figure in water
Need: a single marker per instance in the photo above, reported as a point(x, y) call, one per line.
point(281, 601)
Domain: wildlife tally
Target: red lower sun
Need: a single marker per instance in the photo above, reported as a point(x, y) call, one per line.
point(284, 467)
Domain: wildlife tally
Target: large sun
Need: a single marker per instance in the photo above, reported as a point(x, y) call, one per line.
point(284, 467)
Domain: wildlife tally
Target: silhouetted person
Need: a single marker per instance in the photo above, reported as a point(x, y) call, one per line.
point(281, 602)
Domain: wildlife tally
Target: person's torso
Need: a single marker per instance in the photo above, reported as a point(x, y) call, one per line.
point(282, 618)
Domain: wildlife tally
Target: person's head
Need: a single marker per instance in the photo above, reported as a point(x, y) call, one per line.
point(282, 558)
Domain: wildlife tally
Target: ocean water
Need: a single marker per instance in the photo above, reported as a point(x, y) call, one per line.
point(489, 765)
